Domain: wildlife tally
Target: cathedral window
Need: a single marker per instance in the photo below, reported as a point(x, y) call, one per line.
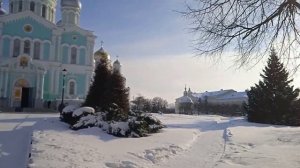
point(32, 6)
point(71, 88)
point(17, 46)
point(73, 55)
point(44, 11)
point(11, 7)
point(37, 50)
point(27, 47)
point(20, 6)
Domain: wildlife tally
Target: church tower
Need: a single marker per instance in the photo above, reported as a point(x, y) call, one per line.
point(45, 8)
point(70, 11)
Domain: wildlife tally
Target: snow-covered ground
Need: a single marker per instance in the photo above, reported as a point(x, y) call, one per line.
point(187, 142)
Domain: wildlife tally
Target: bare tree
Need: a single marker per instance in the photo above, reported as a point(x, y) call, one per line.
point(247, 28)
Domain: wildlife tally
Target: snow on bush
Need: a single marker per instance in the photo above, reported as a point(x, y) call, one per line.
point(70, 108)
point(137, 124)
point(82, 111)
point(72, 113)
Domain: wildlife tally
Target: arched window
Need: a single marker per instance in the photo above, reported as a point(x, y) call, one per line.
point(44, 11)
point(71, 88)
point(32, 6)
point(37, 50)
point(11, 7)
point(17, 47)
point(20, 6)
point(73, 55)
point(27, 47)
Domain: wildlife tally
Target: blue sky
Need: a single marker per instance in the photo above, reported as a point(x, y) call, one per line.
point(153, 43)
point(135, 28)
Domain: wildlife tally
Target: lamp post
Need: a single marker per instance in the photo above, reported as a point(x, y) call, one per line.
point(61, 106)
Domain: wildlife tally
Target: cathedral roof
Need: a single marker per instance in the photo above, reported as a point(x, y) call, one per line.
point(2, 11)
point(71, 3)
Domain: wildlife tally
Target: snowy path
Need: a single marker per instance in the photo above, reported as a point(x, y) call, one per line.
point(207, 150)
point(187, 142)
point(15, 138)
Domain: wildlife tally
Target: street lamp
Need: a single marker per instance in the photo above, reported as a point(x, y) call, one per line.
point(61, 106)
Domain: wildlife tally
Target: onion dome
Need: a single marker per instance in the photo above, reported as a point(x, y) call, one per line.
point(101, 54)
point(71, 3)
point(117, 66)
point(117, 62)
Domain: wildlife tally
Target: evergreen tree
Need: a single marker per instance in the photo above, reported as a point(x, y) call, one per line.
point(119, 95)
point(98, 95)
point(271, 100)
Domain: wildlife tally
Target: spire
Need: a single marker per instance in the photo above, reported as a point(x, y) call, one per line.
point(102, 42)
point(185, 92)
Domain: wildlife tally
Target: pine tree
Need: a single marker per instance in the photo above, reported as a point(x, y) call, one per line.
point(98, 95)
point(271, 100)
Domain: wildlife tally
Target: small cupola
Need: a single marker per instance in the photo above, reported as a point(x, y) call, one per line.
point(70, 10)
point(117, 66)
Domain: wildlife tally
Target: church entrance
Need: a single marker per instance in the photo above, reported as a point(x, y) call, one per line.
point(27, 97)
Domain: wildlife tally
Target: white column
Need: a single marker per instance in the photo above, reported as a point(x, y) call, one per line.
point(87, 82)
point(59, 47)
point(42, 85)
point(1, 41)
point(56, 81)
point(37, 86)
point(1, 83)
point(52, 49)
point(6, 83)
point(52, 80)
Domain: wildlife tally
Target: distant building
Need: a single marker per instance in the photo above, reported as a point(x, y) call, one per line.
point(188, 102)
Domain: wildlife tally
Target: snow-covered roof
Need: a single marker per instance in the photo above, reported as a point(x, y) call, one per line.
point(235, 95)
point(184, 99)
point(212, 94)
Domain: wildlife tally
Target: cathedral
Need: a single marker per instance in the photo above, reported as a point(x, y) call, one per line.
point(39, 55)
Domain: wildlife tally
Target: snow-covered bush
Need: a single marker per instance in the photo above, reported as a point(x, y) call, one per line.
point(72, 113)
point(143, 124)
point(119, 129)
point(67, 114)
point(137, 125)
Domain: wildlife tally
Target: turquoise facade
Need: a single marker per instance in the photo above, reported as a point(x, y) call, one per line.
point(34, 50)
point(6, 48)
point(46, 53)
point(16, 28)
point(74, 38)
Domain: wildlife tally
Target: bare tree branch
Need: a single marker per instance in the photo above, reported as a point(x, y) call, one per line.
point(246, 27)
